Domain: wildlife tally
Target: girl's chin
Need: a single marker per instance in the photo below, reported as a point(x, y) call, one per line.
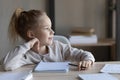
point(50, 42)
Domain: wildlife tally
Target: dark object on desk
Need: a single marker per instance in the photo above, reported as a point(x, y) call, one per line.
point(73, 64)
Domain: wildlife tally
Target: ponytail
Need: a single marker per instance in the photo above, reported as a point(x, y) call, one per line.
point(12, 32)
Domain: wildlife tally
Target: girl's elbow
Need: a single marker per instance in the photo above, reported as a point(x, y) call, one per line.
point(8, 67)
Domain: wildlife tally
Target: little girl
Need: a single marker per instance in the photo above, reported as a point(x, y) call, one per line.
point(34, 26)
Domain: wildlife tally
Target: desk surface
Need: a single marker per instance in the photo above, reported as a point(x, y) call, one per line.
point(71, 75)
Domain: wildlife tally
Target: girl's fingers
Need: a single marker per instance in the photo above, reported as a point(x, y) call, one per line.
point(38, 46)
point(79, 66)
point(33, 42)
point(35, 45)
point(83, 65)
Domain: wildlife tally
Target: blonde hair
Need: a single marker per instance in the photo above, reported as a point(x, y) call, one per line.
point(13, 35)
point(22, 21)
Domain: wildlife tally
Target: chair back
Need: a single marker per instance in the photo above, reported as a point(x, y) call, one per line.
point(62, 39)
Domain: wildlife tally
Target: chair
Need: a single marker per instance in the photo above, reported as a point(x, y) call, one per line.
point(62, 39)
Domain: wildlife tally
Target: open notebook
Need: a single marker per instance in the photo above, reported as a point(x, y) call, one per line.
point(24, 75)
point(52, 67)
point(111, 68)
point(97, 76)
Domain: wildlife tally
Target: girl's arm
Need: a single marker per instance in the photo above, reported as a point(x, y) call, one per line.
point(85, 58)
point(75, 54)
point(16, 57)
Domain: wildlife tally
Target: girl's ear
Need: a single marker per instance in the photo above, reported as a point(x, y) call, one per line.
point(30, 34)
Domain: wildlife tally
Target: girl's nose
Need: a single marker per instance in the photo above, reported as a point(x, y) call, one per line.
point(52, 31)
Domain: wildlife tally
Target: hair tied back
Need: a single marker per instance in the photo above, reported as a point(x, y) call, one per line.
point(13, 35)
point(18, 11)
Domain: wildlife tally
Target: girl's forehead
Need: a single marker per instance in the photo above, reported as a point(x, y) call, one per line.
point(44, 20)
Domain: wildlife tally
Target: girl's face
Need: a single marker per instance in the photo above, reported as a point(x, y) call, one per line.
point(44, 32)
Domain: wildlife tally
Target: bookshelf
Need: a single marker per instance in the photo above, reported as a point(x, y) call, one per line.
point(101, 43)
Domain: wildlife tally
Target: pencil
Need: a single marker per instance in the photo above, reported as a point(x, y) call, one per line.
point(73, 64)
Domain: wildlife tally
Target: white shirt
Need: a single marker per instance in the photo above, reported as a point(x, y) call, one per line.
point(58, 52)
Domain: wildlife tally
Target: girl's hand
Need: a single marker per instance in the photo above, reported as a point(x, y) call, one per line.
point(83, 65)
point(34, 44)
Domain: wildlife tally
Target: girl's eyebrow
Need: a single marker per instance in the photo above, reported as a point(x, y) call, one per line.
point(47, 26)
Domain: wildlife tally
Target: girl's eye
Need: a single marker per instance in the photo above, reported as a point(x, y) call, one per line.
point(47, 28)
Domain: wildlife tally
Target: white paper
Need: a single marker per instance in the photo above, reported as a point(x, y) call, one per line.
point(52, 67)
point(16, 75)
point(111, 68)
point(97, 76)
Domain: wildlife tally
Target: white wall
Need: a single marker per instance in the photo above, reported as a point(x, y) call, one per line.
point(7, 8)
point(81, 13)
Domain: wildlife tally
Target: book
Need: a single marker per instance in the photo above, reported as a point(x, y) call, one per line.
point(83, 30)
point(81, 39)
point(96, 76)
point(80, 33)
point(52, 67)
point(111, 68)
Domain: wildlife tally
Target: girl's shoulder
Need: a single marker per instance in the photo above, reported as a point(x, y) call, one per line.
point(58, 44)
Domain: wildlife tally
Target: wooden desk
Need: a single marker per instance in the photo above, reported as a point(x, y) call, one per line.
point(71, 75)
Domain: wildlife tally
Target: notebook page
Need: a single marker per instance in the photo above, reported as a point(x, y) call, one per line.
point(97, 76)
point(111, 68)
point(26, 75)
